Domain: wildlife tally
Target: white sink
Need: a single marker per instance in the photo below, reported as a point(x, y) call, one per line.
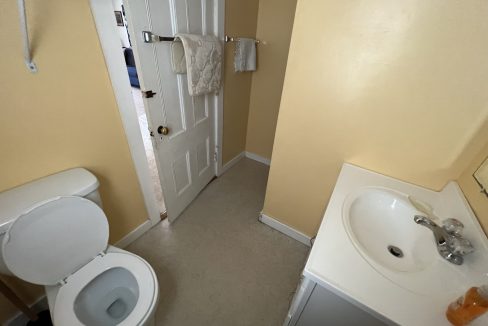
point(368, 212)
point(380, 224)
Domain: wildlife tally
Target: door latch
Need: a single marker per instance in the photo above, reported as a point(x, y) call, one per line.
point(148, 94)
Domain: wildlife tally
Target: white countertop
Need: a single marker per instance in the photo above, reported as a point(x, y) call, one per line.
point(422, 299)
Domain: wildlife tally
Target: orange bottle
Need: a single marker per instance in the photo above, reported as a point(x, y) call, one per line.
point(472, 305)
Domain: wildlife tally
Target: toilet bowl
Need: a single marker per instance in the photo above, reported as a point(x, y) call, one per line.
point(62, 243)
point(114, 289)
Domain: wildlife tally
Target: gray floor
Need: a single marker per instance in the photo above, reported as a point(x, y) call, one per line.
point(217, 264)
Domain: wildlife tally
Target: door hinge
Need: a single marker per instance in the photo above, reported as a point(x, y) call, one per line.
point(216, 155)
point(148, 94)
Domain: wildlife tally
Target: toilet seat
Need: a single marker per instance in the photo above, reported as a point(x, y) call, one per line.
point(62, 242)
point(64, 313)
point(39, 245)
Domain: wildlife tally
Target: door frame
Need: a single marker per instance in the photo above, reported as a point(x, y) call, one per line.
point(102, 11)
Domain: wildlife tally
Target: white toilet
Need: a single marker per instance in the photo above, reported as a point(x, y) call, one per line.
point(53, 232)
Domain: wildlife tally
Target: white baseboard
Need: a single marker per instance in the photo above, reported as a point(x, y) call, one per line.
point(232, 162)
point(258, 158)
point(134, 234)
point(21, 320)
point(239, 156)
point(285, 229)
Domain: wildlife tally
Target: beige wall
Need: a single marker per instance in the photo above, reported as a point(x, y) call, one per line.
point(477, 199)
point(240, 20)
point(396, 87)
point(65, 115)
point(275, 23)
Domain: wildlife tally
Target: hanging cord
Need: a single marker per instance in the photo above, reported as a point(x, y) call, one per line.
point(23, 28)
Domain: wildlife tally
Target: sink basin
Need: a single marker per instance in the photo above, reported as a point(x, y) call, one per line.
point(368, 212)
point(379, 222)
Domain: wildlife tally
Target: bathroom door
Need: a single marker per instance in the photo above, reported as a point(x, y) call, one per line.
point(183, 127)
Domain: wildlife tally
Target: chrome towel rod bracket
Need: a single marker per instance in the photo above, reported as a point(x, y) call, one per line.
point(25, 35)
point(228, 39)
point(149, 37)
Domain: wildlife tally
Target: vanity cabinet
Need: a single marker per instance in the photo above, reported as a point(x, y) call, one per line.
point(352, 276)
point(314, 305)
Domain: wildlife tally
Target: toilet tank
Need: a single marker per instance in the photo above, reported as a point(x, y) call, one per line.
point(15, 201)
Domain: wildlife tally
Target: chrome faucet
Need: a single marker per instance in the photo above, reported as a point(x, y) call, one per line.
point(450, 243)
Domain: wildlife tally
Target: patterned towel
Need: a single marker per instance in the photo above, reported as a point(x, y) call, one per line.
point(178, 62)
point(203, 55)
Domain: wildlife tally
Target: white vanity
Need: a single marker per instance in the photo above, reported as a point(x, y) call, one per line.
point(372, 264)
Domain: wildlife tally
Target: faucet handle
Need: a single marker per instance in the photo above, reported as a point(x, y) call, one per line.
point(453, 226)
point(460, 246)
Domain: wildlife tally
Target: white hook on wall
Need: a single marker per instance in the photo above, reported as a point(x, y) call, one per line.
point(23, 28)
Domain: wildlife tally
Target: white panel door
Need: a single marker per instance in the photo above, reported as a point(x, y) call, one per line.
point(185, 155)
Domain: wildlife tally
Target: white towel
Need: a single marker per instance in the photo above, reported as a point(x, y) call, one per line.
point(178, 62)
point(245, 55)
point(203, 55)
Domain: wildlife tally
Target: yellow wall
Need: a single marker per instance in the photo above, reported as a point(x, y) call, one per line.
point(65, 115)
point(240, 20)
point(477, 200)
point(397, 87)
point(275, 23)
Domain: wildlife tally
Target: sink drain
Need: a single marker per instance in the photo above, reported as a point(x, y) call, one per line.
point(395, 251)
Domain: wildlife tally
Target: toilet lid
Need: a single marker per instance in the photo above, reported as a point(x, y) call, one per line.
point(55, 238)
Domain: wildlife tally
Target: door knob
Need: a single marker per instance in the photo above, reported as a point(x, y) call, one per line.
point(163, 130)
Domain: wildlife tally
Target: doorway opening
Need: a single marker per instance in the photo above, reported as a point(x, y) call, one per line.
point(121, 26)
point(180, 161)
point(149, 150)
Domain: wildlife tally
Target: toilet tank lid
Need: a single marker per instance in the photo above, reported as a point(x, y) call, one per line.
point(72, 182)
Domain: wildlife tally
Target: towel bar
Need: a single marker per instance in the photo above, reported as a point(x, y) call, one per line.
point(149, 37)
point(228, 39)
